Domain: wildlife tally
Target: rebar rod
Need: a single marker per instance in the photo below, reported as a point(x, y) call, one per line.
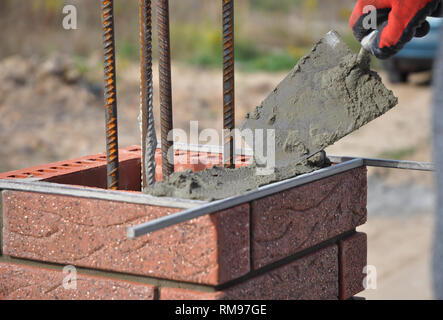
point(149, 138)
point(228, 83)
point(110, 94)
point(165, 87)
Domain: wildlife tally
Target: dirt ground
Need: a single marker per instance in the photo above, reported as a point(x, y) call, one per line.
point(49, 112)
point(400, 203)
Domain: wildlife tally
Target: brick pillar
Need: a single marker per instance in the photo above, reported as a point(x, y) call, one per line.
point(297, 244)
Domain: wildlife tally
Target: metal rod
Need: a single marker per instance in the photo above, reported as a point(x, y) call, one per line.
point(165, 87)
point(164, 222)
point(387, 163)
point(149, 138)
point(228, 83)
point(30, 185)
point(110, 94)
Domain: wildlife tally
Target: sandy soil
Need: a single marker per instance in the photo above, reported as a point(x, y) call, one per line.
point(400, 249)
point(49, 113)
point(400, 203)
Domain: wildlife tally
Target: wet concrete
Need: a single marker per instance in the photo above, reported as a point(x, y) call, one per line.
point(329, 94)
point(220, 183)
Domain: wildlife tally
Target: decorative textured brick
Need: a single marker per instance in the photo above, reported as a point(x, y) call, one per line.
point(211, 250)
point(19, 282)
point(312, 277)
point(293, 220)
point(92, 233)
point(353, 258)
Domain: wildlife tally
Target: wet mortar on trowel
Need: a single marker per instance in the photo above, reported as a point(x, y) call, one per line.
point(329, 94)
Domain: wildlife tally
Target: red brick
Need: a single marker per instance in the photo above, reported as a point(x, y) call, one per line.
point(92, 233)
point(90, 170)
point(87, 171)
point(294, 220)
point(129, 173)
point(312, 277)
point(19, 282)
point(353, 259)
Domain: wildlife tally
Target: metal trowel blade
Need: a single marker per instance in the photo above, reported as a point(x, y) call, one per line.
point(318, 103)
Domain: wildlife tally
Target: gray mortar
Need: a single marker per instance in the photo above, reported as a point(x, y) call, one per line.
point(329, 94)
point(220, 183)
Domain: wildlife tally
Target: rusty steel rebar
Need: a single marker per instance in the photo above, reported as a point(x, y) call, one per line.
point(110, 94)
point(149, 138)
point(165, 87)
point(228, 83)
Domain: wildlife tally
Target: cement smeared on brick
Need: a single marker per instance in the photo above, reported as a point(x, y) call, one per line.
point(220, 183)
point(329, 94)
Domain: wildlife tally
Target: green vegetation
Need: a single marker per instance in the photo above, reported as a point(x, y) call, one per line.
point(81, 65)
point(202, 46)
point(271, 35)
point(398, 154)
point(128, 50)
point(283, 5)
point(276, 5)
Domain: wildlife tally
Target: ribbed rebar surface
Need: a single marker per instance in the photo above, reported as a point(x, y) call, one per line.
point(165, 86)
point(110, 93)
point(228, 82)
point(149, 138)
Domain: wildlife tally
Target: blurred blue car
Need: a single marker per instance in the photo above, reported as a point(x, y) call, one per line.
point(418, 55)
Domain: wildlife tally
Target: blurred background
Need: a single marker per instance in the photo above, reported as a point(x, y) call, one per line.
point(51, 101)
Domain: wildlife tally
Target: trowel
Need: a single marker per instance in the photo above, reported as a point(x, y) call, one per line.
point(330, 93)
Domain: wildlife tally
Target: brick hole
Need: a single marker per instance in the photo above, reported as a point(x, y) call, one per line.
point(135, 149)
point(45, 170)
point(59, 168)
point(70, 165)
point(34, 174)
point(17, 176)
point(242, 160)
point(83, 162)
point(100, 158)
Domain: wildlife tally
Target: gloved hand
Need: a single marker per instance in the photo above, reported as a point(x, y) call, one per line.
point(398, 22)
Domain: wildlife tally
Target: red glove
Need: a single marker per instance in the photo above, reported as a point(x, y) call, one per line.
point(398, 22)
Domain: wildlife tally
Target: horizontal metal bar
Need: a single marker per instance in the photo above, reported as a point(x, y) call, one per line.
point(164, 222)
point(387, 163)
point(100, 194)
